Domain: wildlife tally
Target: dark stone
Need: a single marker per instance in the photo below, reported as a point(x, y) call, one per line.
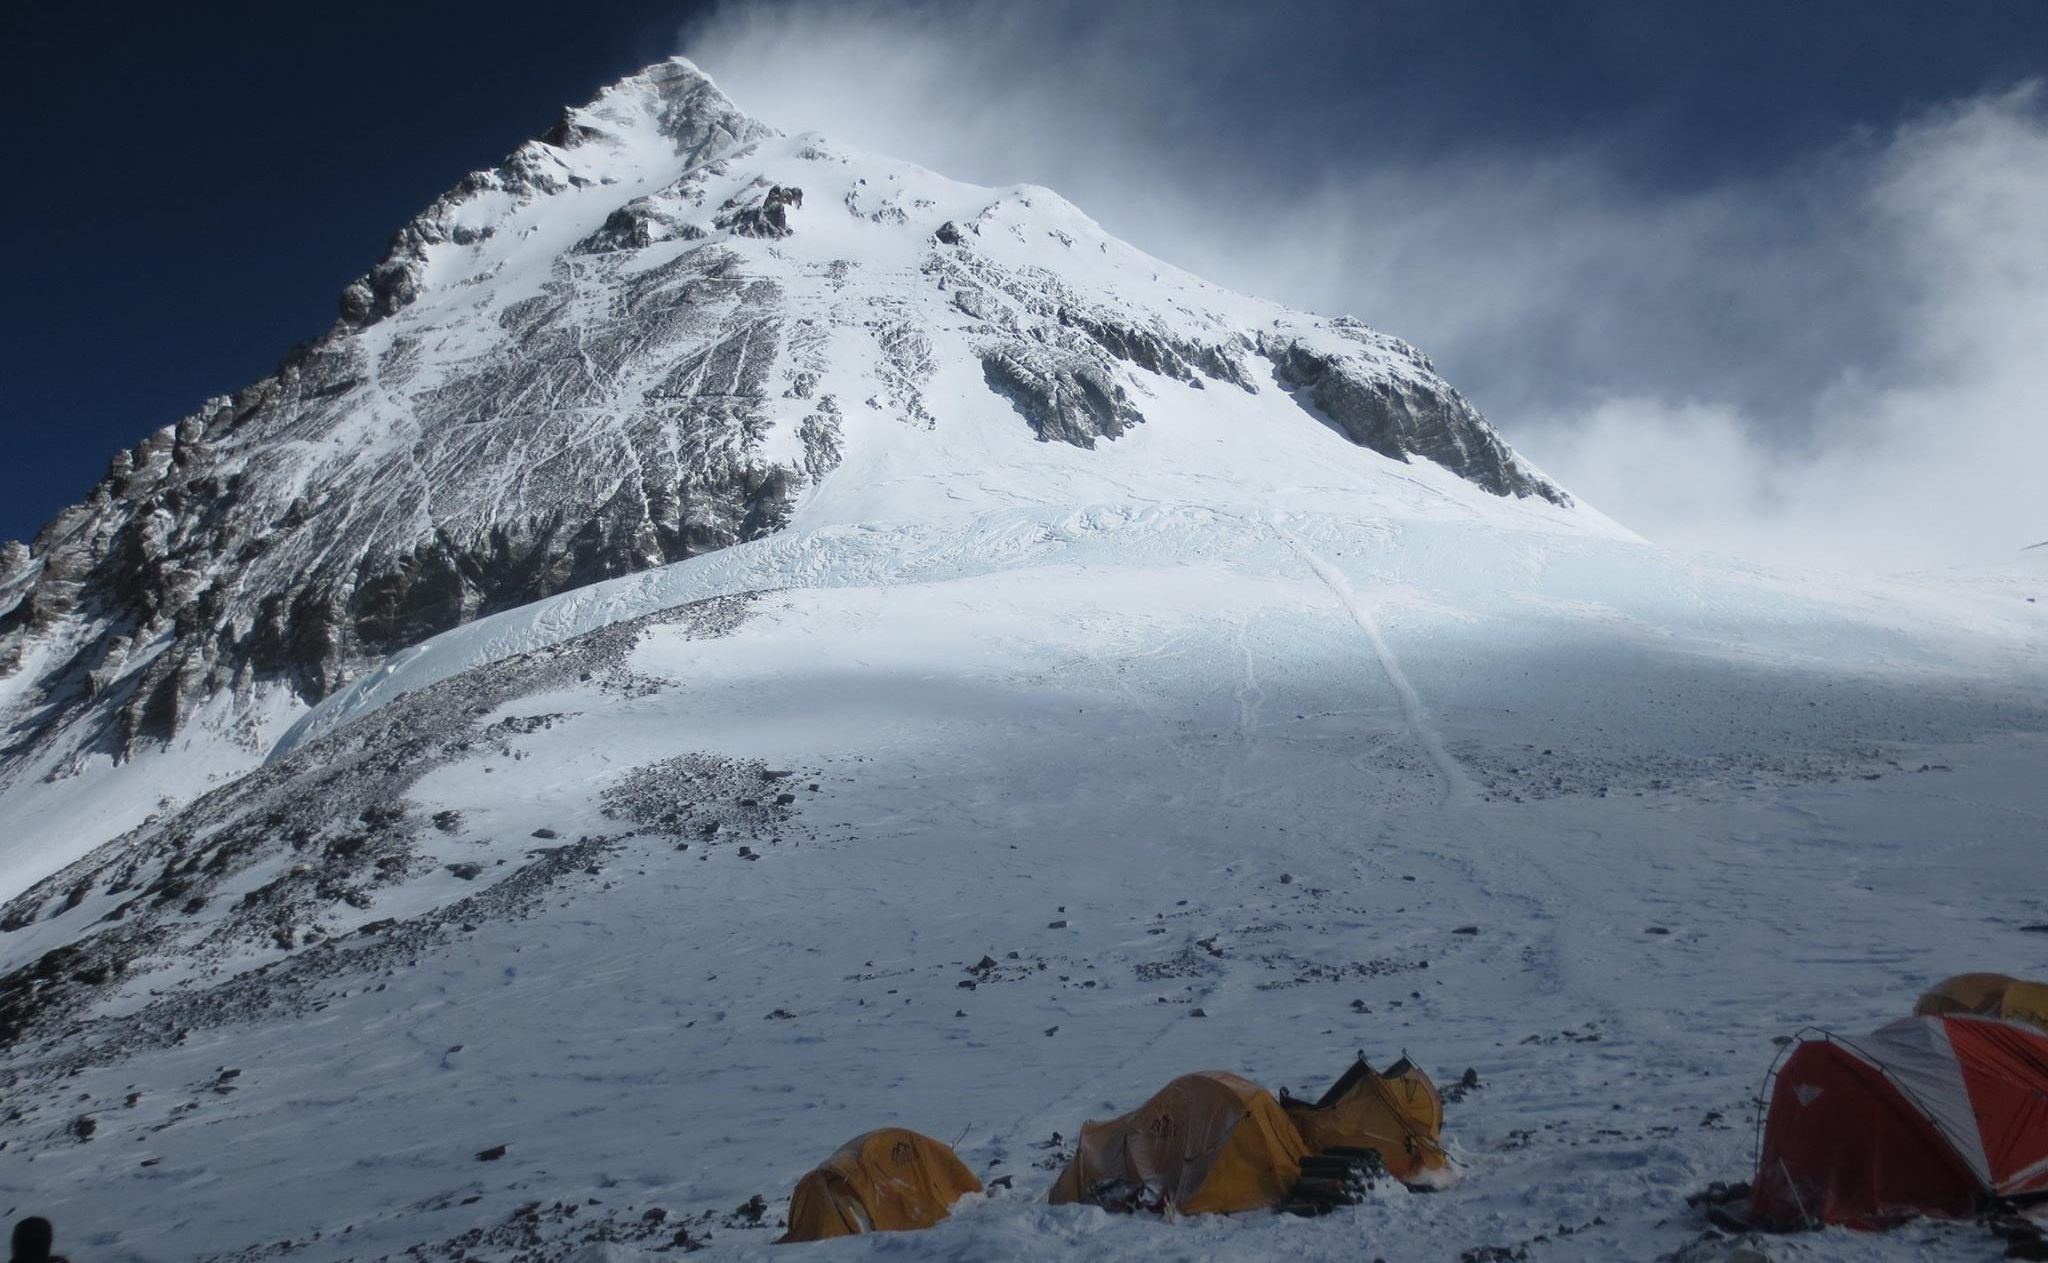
point(1157, 350)
point(1399, 417)
point(766, 217)
point(1067, 397)
point(491, 1154)
point(569, 134)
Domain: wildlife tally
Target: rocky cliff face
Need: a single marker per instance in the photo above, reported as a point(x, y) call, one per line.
point(636, 340)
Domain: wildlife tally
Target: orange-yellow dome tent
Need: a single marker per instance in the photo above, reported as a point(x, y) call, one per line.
point(1987, 995)
point(1396, 1112)
point(1205, 1143)
point(889, 1180)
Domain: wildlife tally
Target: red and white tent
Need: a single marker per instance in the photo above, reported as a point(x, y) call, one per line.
point(1928, 1116)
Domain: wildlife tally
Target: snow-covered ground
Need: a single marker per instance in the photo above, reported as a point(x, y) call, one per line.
point(1230, 742)
point(1593, 820)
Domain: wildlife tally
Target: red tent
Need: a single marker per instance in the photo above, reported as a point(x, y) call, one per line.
point(1929, 1116)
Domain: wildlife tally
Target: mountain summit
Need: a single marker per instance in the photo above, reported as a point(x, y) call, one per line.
point(654, 331)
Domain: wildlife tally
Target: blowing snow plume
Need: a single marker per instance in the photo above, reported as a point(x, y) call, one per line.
point(1831, 358)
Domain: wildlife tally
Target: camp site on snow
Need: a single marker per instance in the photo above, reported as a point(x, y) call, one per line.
point(1943, 1114)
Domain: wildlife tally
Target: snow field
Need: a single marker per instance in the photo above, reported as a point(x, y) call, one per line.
point(1195, 759)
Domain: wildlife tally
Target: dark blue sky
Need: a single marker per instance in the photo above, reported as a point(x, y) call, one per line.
point(193, 184)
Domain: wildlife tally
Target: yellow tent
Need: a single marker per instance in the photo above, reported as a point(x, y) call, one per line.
point(1988, 995)
point(1206, 1143)
point(886, 1181)
point(1397, 1112)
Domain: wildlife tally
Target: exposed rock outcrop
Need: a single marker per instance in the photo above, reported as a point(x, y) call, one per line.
point(765, 215)
point(1067, 397)
point(1402, 415)
point(1157, 350)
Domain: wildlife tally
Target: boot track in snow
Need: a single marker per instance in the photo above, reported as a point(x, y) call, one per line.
point(1457, 786)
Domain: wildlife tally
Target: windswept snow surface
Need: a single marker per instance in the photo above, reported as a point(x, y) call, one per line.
point(1152, 760)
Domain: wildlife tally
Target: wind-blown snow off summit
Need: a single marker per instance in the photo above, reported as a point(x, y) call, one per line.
point(731, 642)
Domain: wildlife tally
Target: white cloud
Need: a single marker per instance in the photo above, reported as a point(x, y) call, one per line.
point(1939, 457)
point(1839, 362)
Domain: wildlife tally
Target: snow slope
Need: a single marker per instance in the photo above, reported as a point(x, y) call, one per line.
point(659, 330)
point(1593, 820)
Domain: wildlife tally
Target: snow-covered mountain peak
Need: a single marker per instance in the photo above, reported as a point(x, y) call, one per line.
point(682, 102)
point(657, 330)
